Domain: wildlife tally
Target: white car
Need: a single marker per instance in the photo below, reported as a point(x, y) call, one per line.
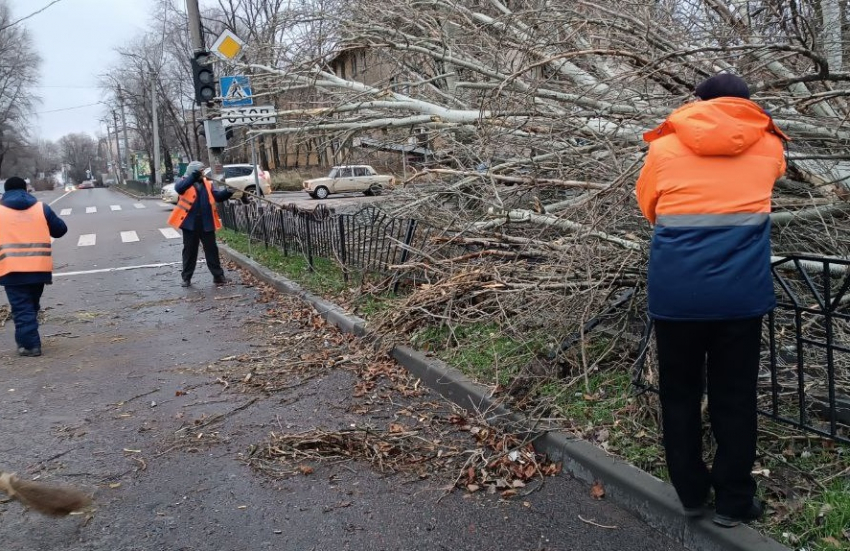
point(241, 177)
point(169, 195)
point(346, 179)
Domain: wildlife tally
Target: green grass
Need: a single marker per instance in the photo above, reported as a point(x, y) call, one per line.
point(480, 350)
point(604, 408)
point(326, 276)
point(823, 524)
point(369, 305)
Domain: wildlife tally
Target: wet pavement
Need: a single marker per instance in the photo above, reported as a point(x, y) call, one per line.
point(155, 398)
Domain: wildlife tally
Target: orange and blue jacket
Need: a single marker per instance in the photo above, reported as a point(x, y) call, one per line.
point(706, 185)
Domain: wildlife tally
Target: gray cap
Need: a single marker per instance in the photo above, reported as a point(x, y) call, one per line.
point(194, 166)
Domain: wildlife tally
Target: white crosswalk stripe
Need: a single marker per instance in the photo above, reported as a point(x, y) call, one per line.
point(129, 237)
point(65, 212)
point(115, 207)
point(91, 210)
point(139, 205)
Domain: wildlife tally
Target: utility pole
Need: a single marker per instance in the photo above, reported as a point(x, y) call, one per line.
point(109, 158)
point(126, 140)
point(156, 175)
point(193, 13)
point(118, 172)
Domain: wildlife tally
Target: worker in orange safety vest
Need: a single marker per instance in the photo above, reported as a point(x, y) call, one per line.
point(26, 261)
point(197, 217)
point(706, 184)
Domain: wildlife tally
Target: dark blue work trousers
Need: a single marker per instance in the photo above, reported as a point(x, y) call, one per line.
point(25, 301)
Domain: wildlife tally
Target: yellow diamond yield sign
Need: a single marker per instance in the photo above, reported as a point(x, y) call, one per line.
point(227, 46)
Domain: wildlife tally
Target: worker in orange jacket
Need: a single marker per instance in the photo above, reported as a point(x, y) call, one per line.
point(706, 185)
point(197, 216)
point(26, 261)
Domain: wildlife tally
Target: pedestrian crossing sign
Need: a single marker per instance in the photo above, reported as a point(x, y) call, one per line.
point(236, 91)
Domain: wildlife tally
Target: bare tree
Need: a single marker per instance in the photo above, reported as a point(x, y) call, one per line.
point(18, 74)
point(78, 152)
point(535, 111)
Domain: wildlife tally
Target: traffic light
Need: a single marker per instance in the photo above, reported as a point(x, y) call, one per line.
point(203, 78)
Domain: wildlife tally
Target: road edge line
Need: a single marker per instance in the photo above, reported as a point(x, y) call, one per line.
point(645, 496)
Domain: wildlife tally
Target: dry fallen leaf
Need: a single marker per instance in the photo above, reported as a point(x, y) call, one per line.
point(597, 491)
point(396, 428)
point(508, 493)
point(305, 469)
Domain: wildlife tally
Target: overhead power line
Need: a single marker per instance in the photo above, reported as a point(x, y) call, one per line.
point(66, 87)
point(33, 14)
point(69, 108)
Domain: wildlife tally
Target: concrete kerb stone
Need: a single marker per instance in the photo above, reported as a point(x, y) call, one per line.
point(649, 498)
point(133, 195)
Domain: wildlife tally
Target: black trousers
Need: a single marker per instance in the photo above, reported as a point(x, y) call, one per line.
point(191, 240)
point(725, 354)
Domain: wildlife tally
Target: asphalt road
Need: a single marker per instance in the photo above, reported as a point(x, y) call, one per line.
point(142, 398)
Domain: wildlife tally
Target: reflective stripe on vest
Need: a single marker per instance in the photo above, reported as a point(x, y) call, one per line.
point(24, 240)
point(185, 202)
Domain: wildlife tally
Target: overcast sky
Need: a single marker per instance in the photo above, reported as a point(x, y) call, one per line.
point(76, 40)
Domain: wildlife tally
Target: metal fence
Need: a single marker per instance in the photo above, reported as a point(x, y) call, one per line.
point(805, 378)
point(369, 240)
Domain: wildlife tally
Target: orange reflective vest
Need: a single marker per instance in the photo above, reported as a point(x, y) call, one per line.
point(24, 240)
point(185, 202)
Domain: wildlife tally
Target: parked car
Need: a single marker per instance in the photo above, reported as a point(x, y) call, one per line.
point(241, 177)
point(349, 178)
point(86, 184)
point(168, 194)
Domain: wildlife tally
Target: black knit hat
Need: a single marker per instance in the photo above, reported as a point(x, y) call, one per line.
point(15, 183)
point(722, 85)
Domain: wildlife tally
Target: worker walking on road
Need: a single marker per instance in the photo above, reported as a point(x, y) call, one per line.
point(196, 215)
point(706, 185)
point(26, 262)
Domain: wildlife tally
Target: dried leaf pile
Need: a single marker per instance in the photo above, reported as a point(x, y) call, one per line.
point(426, 439)
point(489, 460)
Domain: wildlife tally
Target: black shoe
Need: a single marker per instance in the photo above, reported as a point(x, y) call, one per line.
point(696, 511)
point(755, 512)
point(693, 512)
point(29, 352)
point(185, 283)
point(220, 281)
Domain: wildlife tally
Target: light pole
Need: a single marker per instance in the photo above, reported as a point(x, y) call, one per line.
point(157, 179)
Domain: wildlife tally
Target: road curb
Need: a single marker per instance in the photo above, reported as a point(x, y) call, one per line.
point(133, 195)
point(647, 497)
